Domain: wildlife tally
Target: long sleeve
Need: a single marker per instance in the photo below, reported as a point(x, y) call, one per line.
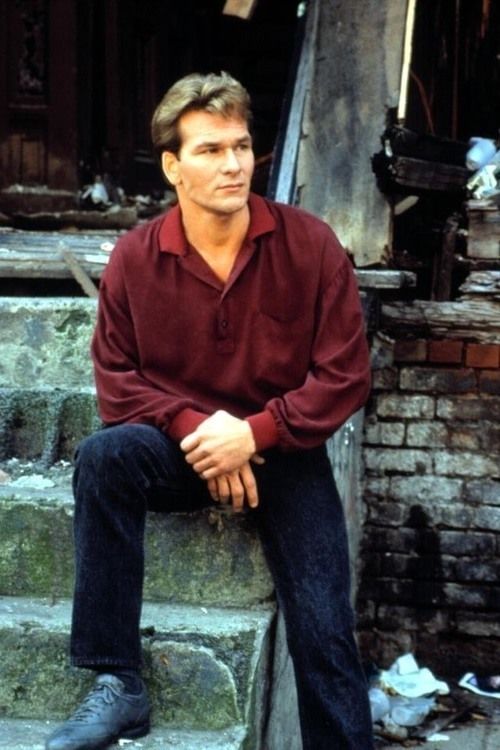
point(124, 393)
point(338, 380)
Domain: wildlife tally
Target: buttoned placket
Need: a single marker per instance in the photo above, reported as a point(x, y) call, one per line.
point(224, 326)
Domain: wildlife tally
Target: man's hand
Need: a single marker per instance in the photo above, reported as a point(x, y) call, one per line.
point(220, 446)
point(235, 487)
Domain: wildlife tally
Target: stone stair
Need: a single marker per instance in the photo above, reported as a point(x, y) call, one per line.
point(208, 623)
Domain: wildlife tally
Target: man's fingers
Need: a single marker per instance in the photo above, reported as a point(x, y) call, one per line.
point(212, 488)
point(256, 459)
point(189, 442)
point(250, 485)
point(237, 491)
point(223, 489)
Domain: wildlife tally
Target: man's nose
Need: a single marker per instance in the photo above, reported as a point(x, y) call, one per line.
point(231, 162)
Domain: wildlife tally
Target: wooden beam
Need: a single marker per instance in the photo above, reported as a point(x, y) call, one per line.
point(240, 8)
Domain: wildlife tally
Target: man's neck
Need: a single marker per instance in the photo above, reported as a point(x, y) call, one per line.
point(217, 237)
point(209, 231)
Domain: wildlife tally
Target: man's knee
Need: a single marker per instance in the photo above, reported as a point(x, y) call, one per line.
point(114, 445)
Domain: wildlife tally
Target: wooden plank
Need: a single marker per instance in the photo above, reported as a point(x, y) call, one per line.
point(38, 254)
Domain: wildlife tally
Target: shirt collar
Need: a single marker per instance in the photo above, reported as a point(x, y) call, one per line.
point(173, 240)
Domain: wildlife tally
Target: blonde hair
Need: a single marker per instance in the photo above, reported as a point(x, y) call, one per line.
point(218, 94)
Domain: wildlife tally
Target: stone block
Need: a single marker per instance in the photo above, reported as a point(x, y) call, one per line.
point(437, 380)
point(405, 406)
point(201, 667)
point(413, 619)
point(45, 423)
point(385, 380)
point(384, 433)
point(473, 597)
point(386, 514)
point(46, 341)
point(446, 351)
point(482, 355)
point(464, 464)
point(478, 570)
point(30, 734)
point(478, 623)
point(467, 544)
point(468, 408)
point(485, 491)
point(380, 539)
point(376, 486)
point(466, 435)
point(426, 434)
point(487, 518)
point(428, 490)
point(396, 459)
point(206, 558)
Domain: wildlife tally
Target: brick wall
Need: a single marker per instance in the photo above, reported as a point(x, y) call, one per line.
point(430, 563)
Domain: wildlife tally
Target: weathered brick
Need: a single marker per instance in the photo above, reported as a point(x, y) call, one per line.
point(419, 567)
point(385, 379)
point(453, 516)
point(489, 382)
point(387, 514)
point(487, 518)
point(466, 435)
point(478, 570)
point(401, 406)
point(378, 538)
point(430, 489)
point(475, 597)
point(468, 407)
point(467, 544)
point(427, 434)
point(446, 351)
point(464, 464)
point(376, 486)
point(411, 618)
point(489, 437)
point(479, 624)
point(410, 350)
point(436, 380)
point(482, 355)
point(399, 591)
point(385, 433)
point(396, 459)
point(485, 491)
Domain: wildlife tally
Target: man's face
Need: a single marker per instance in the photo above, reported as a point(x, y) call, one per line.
point(213, 169)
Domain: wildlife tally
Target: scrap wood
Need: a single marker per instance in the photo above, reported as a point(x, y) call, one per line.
point(78, 272)
point(240, 8)
point(427, 730)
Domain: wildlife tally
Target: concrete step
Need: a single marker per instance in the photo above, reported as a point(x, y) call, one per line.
point(18, 734)
point(45, 423)
point(212, 557)
point(45, 341)
point(207, 669)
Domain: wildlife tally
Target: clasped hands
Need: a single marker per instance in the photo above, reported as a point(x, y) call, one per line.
point(221, 450)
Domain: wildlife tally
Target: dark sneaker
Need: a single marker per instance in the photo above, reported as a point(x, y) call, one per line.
point(107, 714)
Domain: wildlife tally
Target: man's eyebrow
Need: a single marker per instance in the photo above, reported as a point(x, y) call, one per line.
point(211, 144)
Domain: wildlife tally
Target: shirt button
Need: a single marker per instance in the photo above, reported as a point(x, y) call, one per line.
point(224, 323)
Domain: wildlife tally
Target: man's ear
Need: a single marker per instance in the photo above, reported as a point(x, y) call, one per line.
point(170, 167)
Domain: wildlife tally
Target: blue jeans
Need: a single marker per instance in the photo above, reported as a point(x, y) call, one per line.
point(121, 472)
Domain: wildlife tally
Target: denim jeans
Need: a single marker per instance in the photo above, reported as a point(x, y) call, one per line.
point(121, 472)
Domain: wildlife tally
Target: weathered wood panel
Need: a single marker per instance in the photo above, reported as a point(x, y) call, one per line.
point(469, 319)
point(355, 79)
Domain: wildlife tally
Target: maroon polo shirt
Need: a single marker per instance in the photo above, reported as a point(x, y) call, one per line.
point(281, 343)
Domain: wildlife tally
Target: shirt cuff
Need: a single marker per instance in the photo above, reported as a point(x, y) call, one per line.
point(265, 432)
point(184, 423)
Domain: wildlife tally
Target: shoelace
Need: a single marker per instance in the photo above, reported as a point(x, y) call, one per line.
point(94, 702)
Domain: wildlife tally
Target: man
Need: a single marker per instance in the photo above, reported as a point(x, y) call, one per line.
point(229, 346)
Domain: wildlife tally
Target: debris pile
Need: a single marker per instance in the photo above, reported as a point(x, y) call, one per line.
point(409, 705)
point(483, 158)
